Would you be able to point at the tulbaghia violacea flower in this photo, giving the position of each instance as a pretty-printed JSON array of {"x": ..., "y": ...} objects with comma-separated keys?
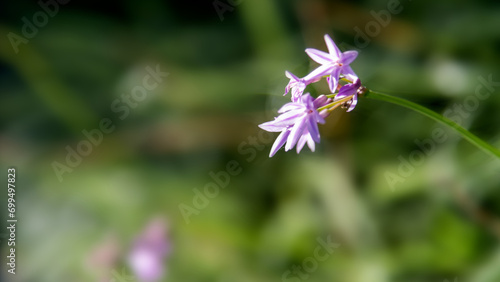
[
  {"x": 298, "y": 120},
  {"x": 147, "y": 257},
  {"x": 298, "y": 124},
  {"x": 333, "y": 63}
]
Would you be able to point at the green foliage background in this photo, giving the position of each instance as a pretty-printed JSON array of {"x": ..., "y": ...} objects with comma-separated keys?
[{"x": 226, "y": 77}]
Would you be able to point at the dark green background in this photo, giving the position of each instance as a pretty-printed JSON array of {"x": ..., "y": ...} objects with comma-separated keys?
[{"x": 225, "y": 77}]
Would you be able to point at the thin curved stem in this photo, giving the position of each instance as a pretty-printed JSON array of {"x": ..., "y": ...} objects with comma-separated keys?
[{"x": 473, "y": 139}]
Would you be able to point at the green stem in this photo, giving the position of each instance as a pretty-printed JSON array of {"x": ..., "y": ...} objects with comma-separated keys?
[
  {"x": 473, "y": 139},
  {"x": 335, "y": 103}
]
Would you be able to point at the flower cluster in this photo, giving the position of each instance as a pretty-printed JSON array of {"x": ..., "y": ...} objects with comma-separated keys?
[{"x": 298, "y": 120}]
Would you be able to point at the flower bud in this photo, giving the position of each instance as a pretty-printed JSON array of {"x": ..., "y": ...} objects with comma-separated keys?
[{"x": 321, "y": 101}]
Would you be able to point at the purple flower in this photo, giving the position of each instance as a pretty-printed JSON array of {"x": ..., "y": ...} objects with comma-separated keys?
[
  {"x": 298, "y": 120},
  {"x": 296, "y": 85},
  {"x": 149, "y": 251},
  {"x": 351, "y": 89},
  {"x": 298, "y": 124},
  {"x": 333, "y": 63}
]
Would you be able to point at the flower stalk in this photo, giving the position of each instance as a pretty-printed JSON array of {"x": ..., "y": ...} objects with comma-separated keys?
[
  {"x": 298, "y": 120},
  {"x": 330, "y": 107},
  {"x": 473, "y": 139}
]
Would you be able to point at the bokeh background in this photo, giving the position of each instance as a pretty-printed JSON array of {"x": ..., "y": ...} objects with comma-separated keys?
[{"x": 226, "y": 75}]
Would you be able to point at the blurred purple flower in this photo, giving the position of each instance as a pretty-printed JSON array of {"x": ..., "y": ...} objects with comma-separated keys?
[
  {"x": 298, "y": 124},
  {"x": 148, "y": 254},
  {"x": 333, "y": 63}
]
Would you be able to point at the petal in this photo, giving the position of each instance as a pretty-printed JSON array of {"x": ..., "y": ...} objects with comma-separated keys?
[
  {"x": 332, "y": 48},
  {"x": 320, "y": 72},
  {"x": 287, "y": 89},
  {"x": 312, "y": 127},
  {"x": 279, "y": 142},
  {"x": 313, "y": 80},
  {"x": 270, "y": 126},
  {"x": 319, "y": 56},
  {"x": 334, "y": 79},
  {"x": 353, "y": 103},
  {"x": 295, "y": 98},
  {"x": 301, "y": 143},
  {"x": 288, "y": 118},
  {"x": 319, "y": 118},
  {"x": 290, "y": 107},
  {"x": 349, "y": 73},
  {"x": 284, "y": 120},
  {"x": 320, "y": 101},
  {"x": 323, "y": 114},
  {"x": 297, "y": 93},
  {"x": 357, "y": 83},
  {"x": 346, "y": 90},
  {"x": 348, "y": 57},
  {"x": 295, "y": 133},
  {"x": 311, "y": 144},
  {"x": 307, "y": 100},
  {"x": 291, "y": 76}
]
